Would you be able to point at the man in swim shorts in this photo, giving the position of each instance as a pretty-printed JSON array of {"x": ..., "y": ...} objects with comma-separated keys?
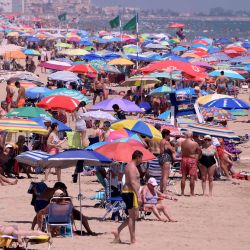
[
  {"x": 20, "y": 101},
  {"x": 131, "y": 196},
  {"x": 191, "y": 152}
]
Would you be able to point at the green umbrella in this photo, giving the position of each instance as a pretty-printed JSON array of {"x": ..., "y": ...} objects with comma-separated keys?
[
  {"x": 101, "y": 66},
  {"x": 69, "y": 92},
  {"x": 28, "y": 112}
]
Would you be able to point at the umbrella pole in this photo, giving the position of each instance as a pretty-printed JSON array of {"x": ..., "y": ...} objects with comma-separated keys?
[{"x": 80, "y": 199}]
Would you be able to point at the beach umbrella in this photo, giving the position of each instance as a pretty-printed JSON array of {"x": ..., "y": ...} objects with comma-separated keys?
[
  {"x": 61, "y": 126},
  {"x": 227, "y": 73},
  {"x": 69, "y": 93},
  {"x": 208, "y": 98},
  {"x": 28, "y": 112},
  {"x": 173, "y": 65},
  {"x": 124, "y": 105},
  {"x": 80, "y": 158},
  {"x": 155, "y": 46},
  {"x": 228, "y": 103},
  {"x": 139, "y": 81},
  {"x": 238, "y": 112},
  {"x": 63, "y": 45},
  {"x": 59, "y": 102},
  {"x": 82, "y": 69},
  {"x": 26, "y": 84},
  {"x": 36, "y": 92},
  {"x": 21, "y": 125},
  {"x": 217, "y": 114},
  {"x": 102, "y": 66},
  {"x": 15, "y": 54},
  {"x": 74, "y": 52},
  {"x": 176, "y": 25},
  {"x": 123, "y": 134},
  {"x": 99, "y": 115},
  {"x": 163, "y": 90},
  {"x": 9, "y": 48},
  {"x": 26, "y": 76},
  {"x": 121, "y": 62},
  {"x": 31, "y": 52},
  {"x": 176, "y": 75},
  {"x": 63, "y": 76},
  {"x": 122, "y": 151},
  {"x": 188, "y": 92},
  {"x": 213, "y": 130},
  {"x": 203, "y": 65},
  {"x": 55, "y": 65},
  {"x": 139, "y": 127},
  {"x": 165, "y": 115},
  {"x": 179, "y": 49},
  {"x": 33, "y": 40}
]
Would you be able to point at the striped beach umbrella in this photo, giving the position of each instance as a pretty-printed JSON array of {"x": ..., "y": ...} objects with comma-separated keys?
[
  {"x": 228, "y": 103},
  {"x": 21, "y": 125}
]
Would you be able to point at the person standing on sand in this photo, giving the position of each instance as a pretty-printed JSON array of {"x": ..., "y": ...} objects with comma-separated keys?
[
  {"x": 131, "y": 197},
  {"x": 191, "y": 152},
  {"x": 9, "y": 95},
  {"x": 20, "y": 101},
  {"x": 221, "y": 84}
]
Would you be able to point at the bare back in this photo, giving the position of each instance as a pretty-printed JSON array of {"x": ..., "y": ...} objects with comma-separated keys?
[
  {"x": 190, "y": 148},
  {"x": 21, "y": 93}
]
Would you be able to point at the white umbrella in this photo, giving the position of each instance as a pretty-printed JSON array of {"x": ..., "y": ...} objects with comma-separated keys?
[{"x": 99, "y": 115}]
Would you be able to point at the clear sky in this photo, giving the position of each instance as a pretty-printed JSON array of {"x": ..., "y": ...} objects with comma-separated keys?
[{"x": 179, "y": 5}]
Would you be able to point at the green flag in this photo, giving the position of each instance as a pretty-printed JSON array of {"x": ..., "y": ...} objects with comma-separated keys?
[
  {"x": 62, "y": 17},
  {"x": 114, "y": 23},
  {"x": 131, "y": 24}
]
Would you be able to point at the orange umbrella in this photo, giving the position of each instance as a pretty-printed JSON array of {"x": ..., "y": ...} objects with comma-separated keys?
[
  {"x": 176, "y": 25},
  {"x": 82, "y": 69},
  {"x": 15, "y": 54},
  {"x": 122, "y": 151}
]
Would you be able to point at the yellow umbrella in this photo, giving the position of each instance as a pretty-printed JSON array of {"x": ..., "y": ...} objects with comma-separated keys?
[
  {"x": 139, "y": 80},
  {"x": 64, "y": 45},
  {"x": 14, "y": 33},
  {"x": 121, "y": 61},
  {"x": 208, "y": 98},
  {"x": 75, "y": 52},
  {"x": 15, "y": 55}
]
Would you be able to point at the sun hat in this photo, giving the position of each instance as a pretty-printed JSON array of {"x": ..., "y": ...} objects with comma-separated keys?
[
  {"x": 207, "y": 137},
  {"x": 58, "y": 193},
  {"x": 152, "y": 181},
  {"x": 46, "y": 119}
]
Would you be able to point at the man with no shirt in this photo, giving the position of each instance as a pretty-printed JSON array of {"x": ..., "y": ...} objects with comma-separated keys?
[
  {"x": 20, "y": 101},
  {"x": 131, "y": 196},
  {"x": 191, "y": 152}
]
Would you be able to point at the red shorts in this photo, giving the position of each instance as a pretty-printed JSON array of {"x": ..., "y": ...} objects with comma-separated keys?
[
  {"x": 189, "y": 166},
  {"x": 9, "y": 99}
]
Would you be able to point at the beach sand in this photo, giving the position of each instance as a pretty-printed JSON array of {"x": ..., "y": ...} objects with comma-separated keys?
[{"x": 220, "y": 222}]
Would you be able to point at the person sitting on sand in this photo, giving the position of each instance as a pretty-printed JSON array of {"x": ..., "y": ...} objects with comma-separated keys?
[
  {"x": 151, "y": 200},
  {"x": 5, "y": 181},
  {"x": 19, "y": 233}
]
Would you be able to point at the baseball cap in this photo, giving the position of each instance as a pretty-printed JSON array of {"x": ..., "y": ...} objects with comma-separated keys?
[
  {"x": 152, "y": 181},
  {"x": 208, "y": 137}
]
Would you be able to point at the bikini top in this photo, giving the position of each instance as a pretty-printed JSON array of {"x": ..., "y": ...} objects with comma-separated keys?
[{"x": 151, "y": 199}]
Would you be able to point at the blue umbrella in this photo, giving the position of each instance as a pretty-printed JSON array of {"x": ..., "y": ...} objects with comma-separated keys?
[
  {"x": 162, "y": 90},
  {"x": 31, "y": 52},
  {"x": 33, "y": 40},
  {"x": 228, "y": 103},
  {"x": 179, "y": 48},
  {"x": 36, "y": 92},
  {"x": 165, "y": 115},
  {"x": 227, "y": 73},
  {"x": 61, "y": 126},
  {"x": 189, "y": 92},
  {"x": 86, "y": 43}
]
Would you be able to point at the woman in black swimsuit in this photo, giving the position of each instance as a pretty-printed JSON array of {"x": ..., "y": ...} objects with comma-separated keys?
[{"x": 208, "y": 163}]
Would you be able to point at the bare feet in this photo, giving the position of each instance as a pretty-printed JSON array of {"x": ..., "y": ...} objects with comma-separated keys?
[
  {"x": 117, "y": 239},
  {"x": 171, "y": 220},
  {"x": 14, "y": 182}
]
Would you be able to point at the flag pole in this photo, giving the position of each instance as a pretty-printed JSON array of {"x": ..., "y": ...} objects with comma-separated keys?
[{"x": 137, "y": 41}]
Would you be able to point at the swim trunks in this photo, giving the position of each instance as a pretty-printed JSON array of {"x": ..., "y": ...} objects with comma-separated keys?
[
  {"x": 9, "y": 99},
  {"x": 189, "y": 166},
  {"x": 21, "y": 103},
  {"x": 130, "y": 199},
  {"x": 163, "y": 158}
]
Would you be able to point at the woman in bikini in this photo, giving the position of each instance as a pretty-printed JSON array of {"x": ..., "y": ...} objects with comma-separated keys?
[
  {"x": 208, "y": 163},
  {"x": 166, "y": 157}
]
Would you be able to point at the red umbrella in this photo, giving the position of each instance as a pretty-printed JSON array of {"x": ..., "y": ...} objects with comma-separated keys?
[
  {"x": 122, "y": 151},
  {"x": 176, "y": 25},
  {"x": 82, "y": 69},
  {"x": 66, "y": 103},
  {"x": 172, "y": 65}
]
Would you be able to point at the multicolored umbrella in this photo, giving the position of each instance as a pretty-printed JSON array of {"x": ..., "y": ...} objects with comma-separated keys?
[
  {"x": 68, "y": 92},
  {"x": 59, "y": 102},
  {"x": 213, "y": 130},
  {"x": 139, "y": 127},
  {"x": 124, "y": 105},
  {"x": 122, "y": 151},
  {"x": 21, "y": 125},
  {"x": 55, "y": 65},
  {"x": 28, "y": 112},
  {"x": 208, "y": 98},
  {"x": 122, "y": 134},
  {"x": 228, "y": 103},
  {"x": 238, "y": 112},
  {"x": 139, "y": 81},
  {"x": 218, "y": 114}
]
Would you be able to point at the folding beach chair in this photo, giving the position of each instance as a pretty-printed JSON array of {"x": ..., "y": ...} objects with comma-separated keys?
[
  {"x": 60, "y": 215},
  {"x": 113, "y": 204}
]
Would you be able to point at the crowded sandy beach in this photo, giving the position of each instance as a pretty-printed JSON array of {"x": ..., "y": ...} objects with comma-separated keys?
[{"x": 119, "y": 139}]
